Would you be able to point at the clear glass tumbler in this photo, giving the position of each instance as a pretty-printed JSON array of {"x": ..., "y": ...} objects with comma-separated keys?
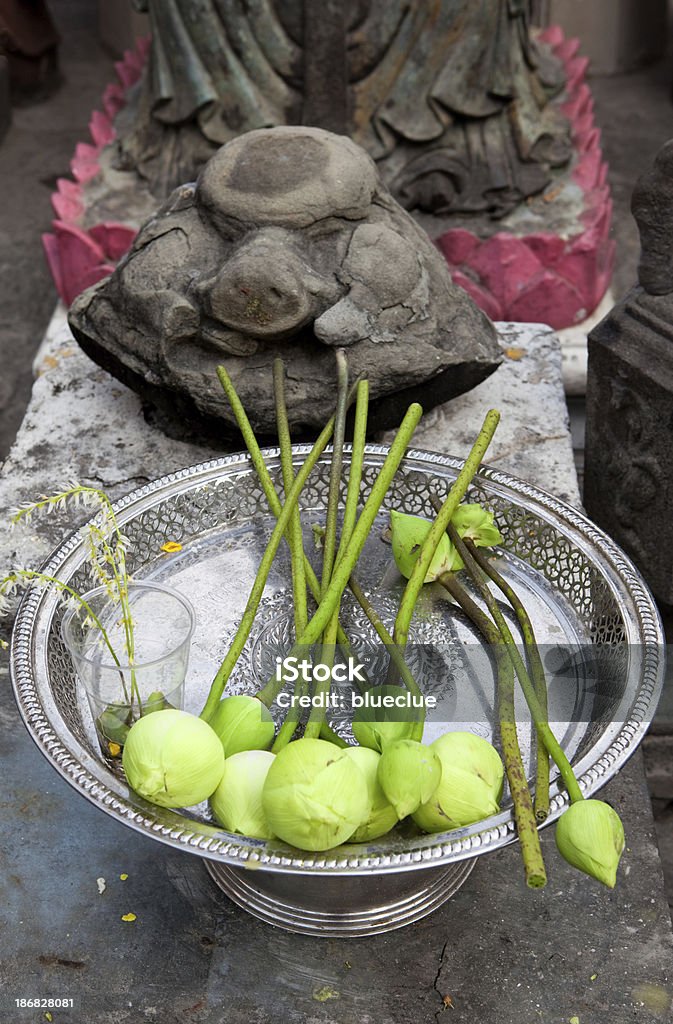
[{"x": 129, "y": 670}]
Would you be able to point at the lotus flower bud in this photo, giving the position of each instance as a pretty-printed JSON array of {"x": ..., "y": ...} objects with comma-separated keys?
[
  {"x": 375, "y": 725},
  {"x": 409, "y": 774},
  {"x": 382, "y": 816},
  {"x": 590, "y": 836},
  {"x": 242, "y": 723},
  {"x": 408, "y": 535},
  {"x": 472, "y": 522},
  {"x": 315, "y": 796},
  {"x": 173, "y": 759},
  {"x": 155, "y": 702},
  {"x": 470, "y": 787},
  {"x": 237, "y": 802}
]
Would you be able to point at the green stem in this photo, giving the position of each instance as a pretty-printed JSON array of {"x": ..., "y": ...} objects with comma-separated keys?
[
  {"x": 454, "y": 498},
  {"x": 364, "y": 524},
  {"x": 245, "y": 625},
  {"x": 328, "y": 733},
  {"x": 536, "y": 672},
  {"x": 531, "y": 852},
  {"x": 295, "y": 537},
  {"x": 395, "y": 653},
  {"x": 316, "y": 716},
  {"x": 329, "y": 546},
  {"x": 268, "y": 487},
  {"x": 355, "y": 471},
  {"x": 539, "y": 718}
]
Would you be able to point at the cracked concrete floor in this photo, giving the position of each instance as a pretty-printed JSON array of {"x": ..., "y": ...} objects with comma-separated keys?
[{"x": 633, "y": 111}]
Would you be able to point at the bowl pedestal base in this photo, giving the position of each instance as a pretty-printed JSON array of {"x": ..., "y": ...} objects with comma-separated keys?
[{"x": 376, "y": 903}]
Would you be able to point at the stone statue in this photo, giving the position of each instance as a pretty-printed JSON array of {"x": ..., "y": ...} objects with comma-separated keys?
[
  {"x": 288, "y": 244},
  {"x": 450, "y": 97},
  {"x": 652, "y": 207}
]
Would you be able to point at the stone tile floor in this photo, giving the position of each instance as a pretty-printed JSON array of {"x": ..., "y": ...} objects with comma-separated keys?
[{"x": 634, "y": 112}]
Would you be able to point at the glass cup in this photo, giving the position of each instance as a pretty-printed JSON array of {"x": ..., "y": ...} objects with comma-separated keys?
[{"x": 129, "y": 671}]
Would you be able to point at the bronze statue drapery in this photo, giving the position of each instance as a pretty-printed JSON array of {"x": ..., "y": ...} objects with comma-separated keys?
[{"x": 450, "y": 97}]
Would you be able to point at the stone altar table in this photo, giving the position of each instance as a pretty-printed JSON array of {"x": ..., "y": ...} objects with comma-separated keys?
[{"x": 496, "y": 952}]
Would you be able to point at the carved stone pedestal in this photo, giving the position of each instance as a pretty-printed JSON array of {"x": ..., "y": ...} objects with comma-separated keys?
[{"x": 629, "y": 440}]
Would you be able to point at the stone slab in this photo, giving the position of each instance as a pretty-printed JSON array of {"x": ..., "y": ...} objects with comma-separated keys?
[{"x": 495, "y": 953}]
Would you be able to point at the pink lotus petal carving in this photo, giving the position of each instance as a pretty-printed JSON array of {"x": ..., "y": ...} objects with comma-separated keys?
[
  {"x": 84, "y": 164},
  {"x": 67, "y": 201},
  {"x": 114, "y": 239},
  {"x": 114, "y": 99},
  {"x": 101, "y": 128},
  {"x": 75, "y": 260},
  {"x": 78, "y": 258}
]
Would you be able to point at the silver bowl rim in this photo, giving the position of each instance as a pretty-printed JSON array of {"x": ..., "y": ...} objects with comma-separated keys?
[{"x": 178, "y": 831}]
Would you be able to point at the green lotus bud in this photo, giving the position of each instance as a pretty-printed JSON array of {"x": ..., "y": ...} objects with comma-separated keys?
[
  {"x": 472, "y": 522},
  {"x": 173, "y": 759},
  {"x": 237, "y": 802},
  {"x": 590, "y": 836},
  {"x": 409, "y": 774},
  {"x": 382, "y": 816},
  {"x": 155, "y": 702},
  {"x": 470, "y": 787},
  {"x": 242, "y": 723},
  {"x": 381, "y": 720},
  {"x": 315, "y": 796},
  {"x": 408, "y": 535}
]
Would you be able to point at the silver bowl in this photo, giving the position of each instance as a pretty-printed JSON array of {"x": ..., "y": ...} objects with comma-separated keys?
[{"x": 586, "y": 599}]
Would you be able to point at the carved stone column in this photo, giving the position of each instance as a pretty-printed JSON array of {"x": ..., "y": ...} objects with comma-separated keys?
[{"x": 629, "y": 441}]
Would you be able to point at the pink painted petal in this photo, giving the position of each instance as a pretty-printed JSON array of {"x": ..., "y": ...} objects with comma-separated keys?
[
  {"x": 567, "y": 49},
  {"x": 114, "y": 239},
  {"x": 101, "y": 129},
  {"x": 483, "y": 298},
  {"x": 552, "y": 35},
  {"x": 67, "y": 200},
  {"x": 576, "y": 72},
  {"x": 84, "y": 164},
  {"x": 457, "y": 245},
  {"x": 78, "y": 255},
  {"x": 548, "y": 299},
  {"x": 113, "y": 99},
  {"x": 89, "y": 276},
  {"x": 128, "y": 71},
  {"x": 546, "y": 247},
  {"x": 504, "y": 264},
  {"x": 579, "y": 104},
  {"x": 587, "y": 174}
]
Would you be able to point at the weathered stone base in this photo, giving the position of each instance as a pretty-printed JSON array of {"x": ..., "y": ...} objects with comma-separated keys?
[{"x": 629, "y": 439}]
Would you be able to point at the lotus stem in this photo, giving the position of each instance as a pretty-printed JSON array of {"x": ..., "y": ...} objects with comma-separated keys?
[
  {"x": 395, "y": 653},
  {"x": 454, "y": 498},
  {"x": 536, "y": 672},
  {"x": 259, "y": 583},
  {"x": 351, "y": 554},
  {"x": 317, "y": 714},
  {"x": 295, "y": 538},
  {"x": 531, "y": 852},
  {"x": 268, "y": 487},
  {"x": 539, "y": 718},
  {"x": 355, "y": 471}
]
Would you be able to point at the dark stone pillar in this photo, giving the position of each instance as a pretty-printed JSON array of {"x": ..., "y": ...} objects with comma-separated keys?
[{"x": 629, "y": 441}]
